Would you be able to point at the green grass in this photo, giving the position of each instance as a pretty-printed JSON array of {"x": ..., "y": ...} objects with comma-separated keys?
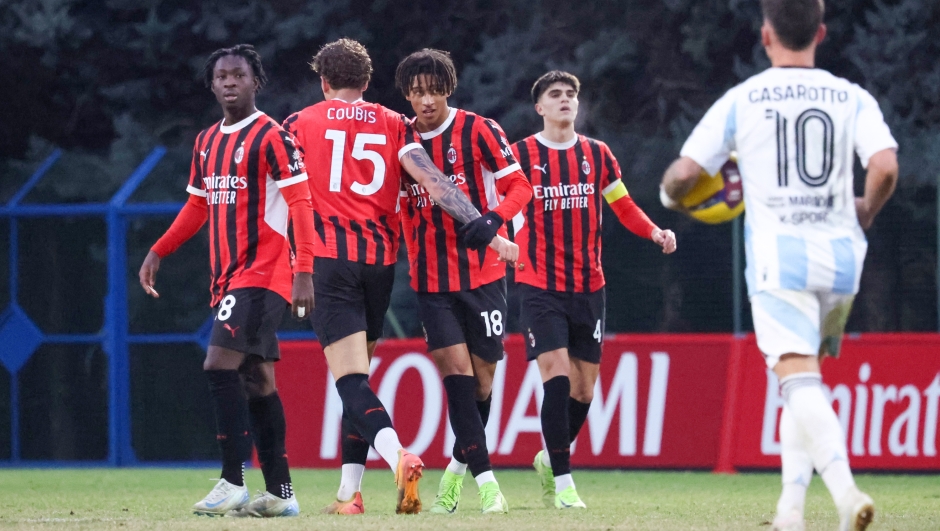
[{"x": 134, "y": 499}]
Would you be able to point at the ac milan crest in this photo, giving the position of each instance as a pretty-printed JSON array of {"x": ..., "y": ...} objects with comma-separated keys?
[{"x": 451, "y": 155}]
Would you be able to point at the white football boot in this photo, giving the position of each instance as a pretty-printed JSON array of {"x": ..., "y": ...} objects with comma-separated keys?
[
  {"x": 267, "y": 505},
  {"x": 856, "y": 511},
  {"x": 791, "y": 520},
  {"x": 224, "y": 497}
]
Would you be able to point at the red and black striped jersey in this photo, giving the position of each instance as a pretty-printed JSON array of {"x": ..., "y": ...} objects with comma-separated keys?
[
  {"x": 240, "y": 170},
  {"x": 355, "y": 183},
  {"x": 474, "y": 153},
  {"x": 560, "y": 240}
]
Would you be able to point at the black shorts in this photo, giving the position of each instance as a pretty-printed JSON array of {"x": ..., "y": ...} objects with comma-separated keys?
[
  {"x": 476, "y": 317},
  {"x": 349, "y": 297},
  {"x": 559, "y": 319},
  {"x": 246, "y": 321}
]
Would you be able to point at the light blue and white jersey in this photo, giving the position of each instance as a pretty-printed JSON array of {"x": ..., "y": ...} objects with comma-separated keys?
[{"x": 796, "y": 132}]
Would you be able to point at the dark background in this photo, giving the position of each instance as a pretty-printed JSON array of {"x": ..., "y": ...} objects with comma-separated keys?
[{"x": 108, "y": 80}]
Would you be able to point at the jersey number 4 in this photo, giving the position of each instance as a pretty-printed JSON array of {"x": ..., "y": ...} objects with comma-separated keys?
[
  {"x": 815, "y": 135},
  {"x": 359, "y": 152}
]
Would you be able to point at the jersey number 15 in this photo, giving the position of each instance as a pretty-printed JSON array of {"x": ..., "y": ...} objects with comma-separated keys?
[{"x": 359, "y": 152}]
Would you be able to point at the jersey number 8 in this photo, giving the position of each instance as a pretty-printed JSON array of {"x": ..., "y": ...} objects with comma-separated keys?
[{"x": 359, "y": 152}]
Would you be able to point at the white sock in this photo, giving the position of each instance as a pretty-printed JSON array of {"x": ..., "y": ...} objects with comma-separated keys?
[
  {"x": 388, "y": 445},
  {"x": 457, "y": 467},
  {"x": 546, "y": 460},
  {"x": 351, "y": 482},
  {"x": 813, "y": 413},
  {"x": 796, "y": 465},
  {"x": 562, "y": 482},
  {"x": 485, "y": 477}
]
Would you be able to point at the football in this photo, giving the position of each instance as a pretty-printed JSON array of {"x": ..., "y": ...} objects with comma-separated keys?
[{"x": 716, "y": 198}]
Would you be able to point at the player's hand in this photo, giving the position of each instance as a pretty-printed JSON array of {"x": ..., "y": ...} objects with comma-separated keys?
[
  {"x": 479, "y": 233},
  {"x": 507, "y": 250},
  {"x": 301, "y": 305},
  {"x": 148, "y": 273},
  {"x": 665, "y": 239}
]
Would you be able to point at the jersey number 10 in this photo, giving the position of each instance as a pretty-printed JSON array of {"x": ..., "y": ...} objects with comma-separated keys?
[
  {"x": 808, "y": 140},
  {"x": 359, "y": 152}
]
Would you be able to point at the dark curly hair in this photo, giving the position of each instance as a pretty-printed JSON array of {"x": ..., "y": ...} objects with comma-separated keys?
[
  {"x": 795, "y": 21},
  {"x": 241, "y": 50},
  {"x": 344, "y": 63},
  {"x": 436, "y": 64},
  {"x": 549, "y": 78}
]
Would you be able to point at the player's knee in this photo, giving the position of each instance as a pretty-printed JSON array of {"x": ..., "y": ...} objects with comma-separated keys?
[
  {"x": 484, "y": 390},
  {"x": 582, "y": 394}
]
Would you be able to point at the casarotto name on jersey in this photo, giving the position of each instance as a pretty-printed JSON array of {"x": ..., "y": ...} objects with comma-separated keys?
[
  {"x": 351, "y": 113},
  {"x": 798, "y": 92}
]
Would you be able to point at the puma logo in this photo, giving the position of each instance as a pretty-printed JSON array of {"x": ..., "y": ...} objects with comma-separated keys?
[
  {"x": 543, "y": 168},
  {"x": 204, "y": 154},
  {"x": 374, "y": 409},
  {"x": 230, "y": 329}
]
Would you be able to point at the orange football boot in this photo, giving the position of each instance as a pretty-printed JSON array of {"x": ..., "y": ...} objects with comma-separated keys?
[
  {"x": 350, "y": 506},
  {"x": 410, "y": 469}
]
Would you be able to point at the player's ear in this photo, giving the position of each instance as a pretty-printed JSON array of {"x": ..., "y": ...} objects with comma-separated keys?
[
  {"x": 538, "y": 109},
  {"x": 365, "y": 87},
  {"x": 820, "y": 34},
  {"x": 765, "y": 34},
  {"x": 324, "y": 85}
]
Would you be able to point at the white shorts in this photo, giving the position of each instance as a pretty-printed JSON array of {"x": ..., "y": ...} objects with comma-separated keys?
[{"x": 799, "y": 322}]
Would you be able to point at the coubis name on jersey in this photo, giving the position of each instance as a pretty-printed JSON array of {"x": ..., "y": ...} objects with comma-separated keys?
[
  {"x": 351, "y": 113},
  {"x": 798, "y": 92},
  {"x": 564, "y": 196}
]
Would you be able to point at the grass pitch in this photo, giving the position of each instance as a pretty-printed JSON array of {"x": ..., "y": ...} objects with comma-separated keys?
[{"x": 133, "y": 499}]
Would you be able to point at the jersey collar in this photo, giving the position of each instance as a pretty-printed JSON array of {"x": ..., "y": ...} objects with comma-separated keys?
[
  {"x": 561, "y": 146},
  {"x": 441, "y": 128},
  {"x": 229, "y": 129}
]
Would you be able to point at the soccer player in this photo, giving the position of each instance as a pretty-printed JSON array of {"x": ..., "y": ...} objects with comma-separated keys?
[
  {"x": 247, "y": 178},
  {"x": 363, "y": 148},
  {"x": 561, "y": 283},
  {"x": 461, "y": 293},
  {"x": 795, "y": 129}
]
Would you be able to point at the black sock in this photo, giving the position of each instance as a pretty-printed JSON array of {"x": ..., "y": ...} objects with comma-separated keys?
[
  {"x": 555, "y": 426},
  {"x": 483, "y": 406},
  {"x": 270, "y": 431},
  {"x": 466, "y": 422},
  {"x": 365, "y": 410},
  {"x": 231, "y": 413},
  {"x": 355, "y": 447},
  {"x": 577, "y": 414}
]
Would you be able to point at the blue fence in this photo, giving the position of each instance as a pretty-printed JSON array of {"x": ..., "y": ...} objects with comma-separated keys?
[{"x": 20, "y": 337}]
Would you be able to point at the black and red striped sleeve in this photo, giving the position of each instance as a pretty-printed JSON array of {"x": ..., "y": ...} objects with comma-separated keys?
[{"x": 405, "y": 135}]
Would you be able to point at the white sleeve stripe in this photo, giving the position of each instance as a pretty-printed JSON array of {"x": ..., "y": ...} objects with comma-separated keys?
[
  {"x": 293, "y": 180},
  {"x": 507, "y": 170},
  {"x": 610, "y": 187},
  {"x": 407, "y": 148},
  {"x": 195, "y": 191},
  {"x": 402, "y": 194}
]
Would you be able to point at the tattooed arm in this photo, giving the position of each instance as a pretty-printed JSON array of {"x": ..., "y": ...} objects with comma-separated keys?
[
  {"x": 456, "y": 203},
  {"x": 422, "y": 169}
]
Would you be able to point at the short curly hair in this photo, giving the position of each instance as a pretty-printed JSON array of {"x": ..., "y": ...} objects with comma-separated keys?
[
  {"x": 343, "y": 63},
  {"x": 246, "y": 51},
  {"x": 436, "y": 64}
]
